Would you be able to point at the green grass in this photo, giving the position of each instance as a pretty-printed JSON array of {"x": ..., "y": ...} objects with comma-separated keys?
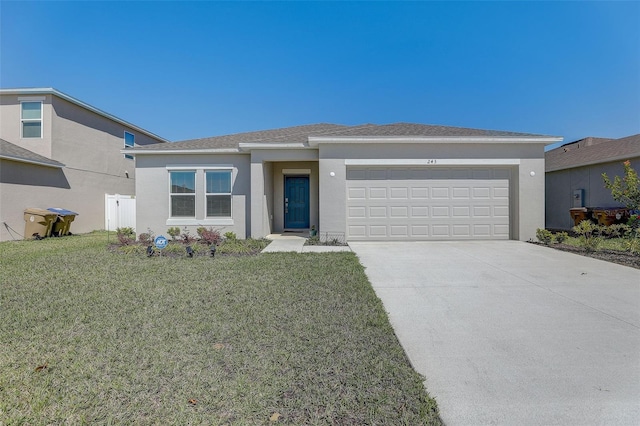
[
  {"x": 130, "y": 340},
  {"x": 614, "y": 244}
]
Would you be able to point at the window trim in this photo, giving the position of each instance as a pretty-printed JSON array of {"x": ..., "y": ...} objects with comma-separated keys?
[
  {"x": 126, "y": 146},
  {"x": 194, "y": 194},
  {"x": 230, "y": 193},
  {"x": 31, "y": 120}
]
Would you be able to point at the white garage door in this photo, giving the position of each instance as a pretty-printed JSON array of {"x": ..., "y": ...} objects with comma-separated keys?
[{"x": 400, "y": 203}]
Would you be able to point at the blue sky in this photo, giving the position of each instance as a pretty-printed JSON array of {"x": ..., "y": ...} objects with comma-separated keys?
[{"x": 195, "y": 69}]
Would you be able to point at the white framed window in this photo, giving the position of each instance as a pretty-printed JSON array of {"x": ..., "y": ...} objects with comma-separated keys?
[
  {"x": 31, "y": 119},
  {"x": 129, "y": 142},
  {"x": 183, "y": 193},
  {"x": 218, "y": 193}
]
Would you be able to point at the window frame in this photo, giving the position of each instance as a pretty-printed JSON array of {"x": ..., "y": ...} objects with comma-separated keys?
[
  {"x": 183, "y": 194},
  {"x": 207, "y": 194},
  {"x": 31, "y": 120},
  {"x": 127, "y": 146}
]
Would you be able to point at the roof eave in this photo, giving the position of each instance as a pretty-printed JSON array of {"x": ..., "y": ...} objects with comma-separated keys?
[
  {"x": 36, "y": 162},
  {"x": 591, "y": 163},
  {"x": 253, "y": 145},
  {"x": 130, "y": 151}
]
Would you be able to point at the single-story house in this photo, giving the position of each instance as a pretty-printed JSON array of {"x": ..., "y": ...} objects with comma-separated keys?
[
  {"x": 368, "y": 182},
  {"x": 574, "y": 175},
  {"x": 57, "y": 151}
]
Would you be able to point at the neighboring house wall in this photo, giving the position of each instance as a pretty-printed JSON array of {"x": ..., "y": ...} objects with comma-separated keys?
[
  {"x": 561, "y": 184},
  {"x": 87, "y": 143}
]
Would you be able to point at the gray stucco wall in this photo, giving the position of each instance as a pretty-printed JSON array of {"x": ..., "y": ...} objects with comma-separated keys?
[
  {"x": 561, "y": 184},
  {"x": 153, "y": 198},
  {"x": 87, "y": 143},
  {"x": 10, "y": 124},
  {"x": 527, "y": 176}
]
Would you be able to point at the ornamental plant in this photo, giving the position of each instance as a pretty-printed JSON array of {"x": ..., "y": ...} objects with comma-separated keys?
[{"x": 625, "y": 189}]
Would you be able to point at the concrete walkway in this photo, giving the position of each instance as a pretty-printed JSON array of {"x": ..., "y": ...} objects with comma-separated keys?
[
  {"x": 288, "y": 242},
  {"x": 510, "y": 333}
]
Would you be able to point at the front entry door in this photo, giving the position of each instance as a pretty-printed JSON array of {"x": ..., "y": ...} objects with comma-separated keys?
[{"x": 296, "y": 202}]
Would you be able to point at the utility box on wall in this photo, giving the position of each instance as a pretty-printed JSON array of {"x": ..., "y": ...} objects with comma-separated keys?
[{"x": 578, "y": 198}]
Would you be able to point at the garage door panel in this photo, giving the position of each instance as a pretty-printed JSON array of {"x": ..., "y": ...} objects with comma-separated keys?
[
  {"x": 399, "y": 193},
  {"x": 378, "y": 193},
  {"x": 399, "y": 211},
  {"x": 438, "y": 207},
  {"x": 420, "y": 193},
  {"x": 419, "y": 211}
]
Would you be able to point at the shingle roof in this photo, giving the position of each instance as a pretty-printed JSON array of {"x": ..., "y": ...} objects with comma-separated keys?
[
  {"x": 301, "y": 134},
  {"x": 13, "y": 152},
  {"x": 592, "y": 151},
  {"x": 413, "y": 129}
]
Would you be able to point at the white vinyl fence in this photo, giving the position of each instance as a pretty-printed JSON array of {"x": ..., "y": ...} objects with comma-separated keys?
[{"x": 120, "y": 212}]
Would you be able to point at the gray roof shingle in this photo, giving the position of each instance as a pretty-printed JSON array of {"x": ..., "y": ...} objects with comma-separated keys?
[
  {"x": 301, "y": 134},
  {"x": 592, "y": 151},
  {"x": 14, "y": 152}
]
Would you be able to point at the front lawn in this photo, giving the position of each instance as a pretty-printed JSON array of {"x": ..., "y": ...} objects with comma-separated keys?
[{"x": 90, "y": 336}]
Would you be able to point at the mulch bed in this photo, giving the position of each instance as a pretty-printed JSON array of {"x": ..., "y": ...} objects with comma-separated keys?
[{"x": 619, "y": 257}]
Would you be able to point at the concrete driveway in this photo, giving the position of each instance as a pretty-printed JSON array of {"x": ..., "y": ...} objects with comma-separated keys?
[{"x": 511, "y": 333}]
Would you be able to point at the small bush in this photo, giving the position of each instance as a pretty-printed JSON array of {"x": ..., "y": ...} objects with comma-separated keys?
[
  {"x": 588, "y": 235},
  {"x": 126, "y": 236},
  {"x": 544, "y": 236},
  {"x": 173, "y": 232},
  {"x": 632, "y": 244},
  {"x": 186, "y": 237},
  {"x": 313, "y": 241},
  {"x": 634, "y": 221},
  {"x": 561, "y": 237},
  {"x": 209, "y": 236},
  {"x": 618, "y": 230},
  {"x": 230, "y": 235},
  {"x": 146, "y": 238}
]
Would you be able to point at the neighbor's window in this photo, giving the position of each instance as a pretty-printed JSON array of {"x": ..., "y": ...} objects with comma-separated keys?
[
  {"x": 183, "y": 194},
  {"x": 129, "y": 142},
  {"x": 31, "y": 118},
  {"x": 218, "y": 193}
]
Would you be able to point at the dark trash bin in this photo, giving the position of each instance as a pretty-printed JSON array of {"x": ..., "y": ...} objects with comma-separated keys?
[
  {"x": 62, "y": 224},
  {"x": 607, "y": 216},
  {"x": 38, "y": 223},
  {"x": 578, "y": 214}
]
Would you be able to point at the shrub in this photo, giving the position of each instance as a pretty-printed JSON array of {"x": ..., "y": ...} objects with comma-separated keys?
[
  {"x": 625, "y": 190},
  {"x": 230, "y": 235},
  {"x": 617, "y": 230},
  {"x": 173, "y": 232},
  {"x": 146, "y": 238},
  {"x": 544, "y": 236},
  {"x": 588, "y": 235},
  {"x": 634, "y": 221},
  {"x": 210, "y": 236},
  {"x": 561, "y": 237},
  {"x": 632, "y": 244},
  {"x": 125, "y": 236},
  {"x": 186, "y": 237}
]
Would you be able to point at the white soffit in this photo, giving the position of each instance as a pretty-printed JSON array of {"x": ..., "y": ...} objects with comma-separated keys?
[{"x": 434, "y": 162}]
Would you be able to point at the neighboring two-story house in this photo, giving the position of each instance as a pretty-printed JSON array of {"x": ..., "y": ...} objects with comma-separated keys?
[{"x": 57, "y": 151}]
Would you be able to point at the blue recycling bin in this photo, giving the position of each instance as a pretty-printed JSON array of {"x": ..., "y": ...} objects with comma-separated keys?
[{"x": 63, "y": 222}]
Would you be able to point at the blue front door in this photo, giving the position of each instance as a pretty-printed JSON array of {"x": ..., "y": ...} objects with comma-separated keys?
[{"x": 296, "y": 202}]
